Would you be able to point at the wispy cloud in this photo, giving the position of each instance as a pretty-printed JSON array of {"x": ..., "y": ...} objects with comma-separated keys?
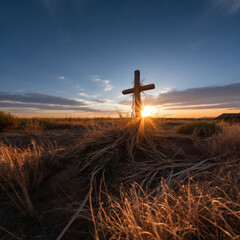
[
  {"x": 43, "y": 102},
  {"x": 93, "y": 98},
  {"x": 229, "y": 6},
  {"x": 88, "y": 95},
  {"x": 39, "y": 98},
  {"x": 54, "y": 5},
  {"x": 30, "y": 106},
  {"x": 197, "y": 44},
  {"x": 104, "y": 83},
  {"x": 79, "y": 87},
  {"x": 61, "y": 77},
  {"x": 165, "y": 90},
  {"x": 101, "y": 100},
  {"x": 92, "y": 102},
  {"x": 211, "y": 97},
  {"x": 108, "y": 87}
]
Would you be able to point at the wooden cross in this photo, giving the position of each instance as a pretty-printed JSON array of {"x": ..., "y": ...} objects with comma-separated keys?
[{"x": 136, "y": 90}]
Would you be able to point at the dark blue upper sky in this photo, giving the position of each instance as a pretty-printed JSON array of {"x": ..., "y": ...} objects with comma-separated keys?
[{"x": 88, "y": 49}]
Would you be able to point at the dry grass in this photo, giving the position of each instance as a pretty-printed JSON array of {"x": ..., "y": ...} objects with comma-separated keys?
[
  {"x": 153, "y": 188},
  {"x": 195, "y": 210},
  {"x": 22, "y": 171},
  {"x": 8, "y": 121},
  {"x": 199, "y": 128},
  {"x": 225, "y": 142},
  {"x": 34, "y": 127},
  {"x": 198, "y": 199}
]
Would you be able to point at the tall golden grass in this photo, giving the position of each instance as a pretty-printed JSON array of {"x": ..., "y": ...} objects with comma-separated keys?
[
  {"x": 195, "y": 210},
  {"x": 200, "y": 202},
  {"x": 127, "y": 184},
  {"x": 22, "y": 171}
]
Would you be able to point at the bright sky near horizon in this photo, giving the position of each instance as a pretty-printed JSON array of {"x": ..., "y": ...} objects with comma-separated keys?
[{"x": 74, "y": 57}]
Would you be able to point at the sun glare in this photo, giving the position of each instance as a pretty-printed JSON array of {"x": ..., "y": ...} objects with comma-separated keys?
[{"x": 147, "y": 111}]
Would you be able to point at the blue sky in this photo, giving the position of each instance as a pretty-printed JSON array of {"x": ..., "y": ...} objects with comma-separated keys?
[{"x": 74, "y": 57}]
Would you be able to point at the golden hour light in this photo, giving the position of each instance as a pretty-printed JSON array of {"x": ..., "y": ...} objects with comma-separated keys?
[
  {"x": 120, "y": 119},
  {"x": 147, "y": 111}
]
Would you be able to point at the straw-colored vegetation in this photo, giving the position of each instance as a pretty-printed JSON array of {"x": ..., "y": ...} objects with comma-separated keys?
[
  {"x": 199, "y": 128},
  {"x": 8, "y": 121},
  {"x": 122, "y": 179}
]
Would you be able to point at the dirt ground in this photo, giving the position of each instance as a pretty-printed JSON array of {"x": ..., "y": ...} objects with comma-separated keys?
[{"x": 61, "y": 138}]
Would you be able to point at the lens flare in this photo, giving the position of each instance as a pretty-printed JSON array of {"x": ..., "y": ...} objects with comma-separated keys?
[{"x": 147, "y": 111}]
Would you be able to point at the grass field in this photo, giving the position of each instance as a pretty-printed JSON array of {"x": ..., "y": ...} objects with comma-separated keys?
[{"x": 119, "y": 179}]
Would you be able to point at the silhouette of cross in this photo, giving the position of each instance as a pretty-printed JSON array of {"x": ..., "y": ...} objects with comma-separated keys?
[{"x": 136, "y": 90}]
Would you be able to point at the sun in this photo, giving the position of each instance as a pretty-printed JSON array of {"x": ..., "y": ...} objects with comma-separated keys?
[{"x": 147, "y": 111}]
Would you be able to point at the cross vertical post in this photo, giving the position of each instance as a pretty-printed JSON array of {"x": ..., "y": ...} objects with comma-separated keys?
[
  {"x": 137, "y": 94},
  {"x": 136, "y": 90}
]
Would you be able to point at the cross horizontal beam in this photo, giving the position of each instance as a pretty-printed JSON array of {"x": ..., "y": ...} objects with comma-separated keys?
[
  {"x": 142, "y": 88},
  {"x": 147, "y": 87},
  {"x": 128, "y": 91}
]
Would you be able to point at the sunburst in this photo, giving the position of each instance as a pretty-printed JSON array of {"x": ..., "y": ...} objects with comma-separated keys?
[{"x": 147, "y": 111}]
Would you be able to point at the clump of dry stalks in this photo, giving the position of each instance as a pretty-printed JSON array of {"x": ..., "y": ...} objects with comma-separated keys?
[
  {"x": 194, "y": 210},
  {"x": 227, "y": 141},
  {"x": 144, "y": 186},
  {"x": 198, "y": 198},
  {"x": 22, "y": 171}
]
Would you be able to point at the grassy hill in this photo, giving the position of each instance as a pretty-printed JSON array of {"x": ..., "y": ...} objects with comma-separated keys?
[{"x": 120, "y": 179}]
